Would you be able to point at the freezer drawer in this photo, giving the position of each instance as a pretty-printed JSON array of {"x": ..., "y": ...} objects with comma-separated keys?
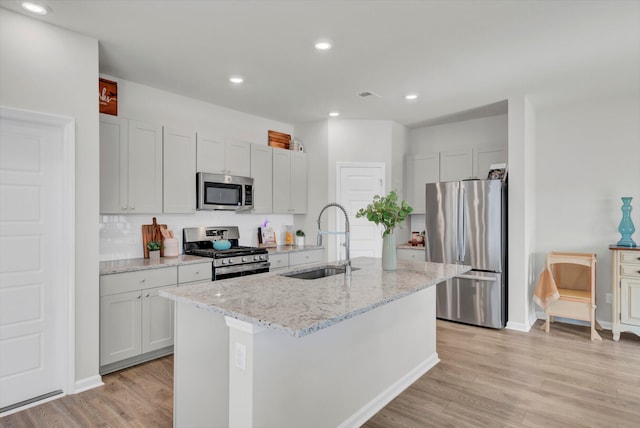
[{"x": 476, "y": 298}]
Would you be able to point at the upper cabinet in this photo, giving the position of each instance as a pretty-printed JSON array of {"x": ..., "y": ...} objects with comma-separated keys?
[
  {"x": 179, "y": 171},
  {"x": 451, "y": 165},
  {"x": 456, "y": 165},
  {"x": 262, "y": 174},
  {"x": 217, "y": 157},
  {"x": 421, "y": 169},
  {"x": 130, "y": 166},
  {"x": 289, "y": 182}
]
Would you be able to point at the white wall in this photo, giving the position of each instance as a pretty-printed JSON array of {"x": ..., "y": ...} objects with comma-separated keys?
[
  {"x": 48, "y": 69},
  {"x": 588, "y": 156},
  {"x": 121, "y": 236}
]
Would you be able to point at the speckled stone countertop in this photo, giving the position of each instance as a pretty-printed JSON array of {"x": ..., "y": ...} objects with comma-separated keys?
[
  {"x": 299, "y": 307},
  {"x": 131, "y": 265}
]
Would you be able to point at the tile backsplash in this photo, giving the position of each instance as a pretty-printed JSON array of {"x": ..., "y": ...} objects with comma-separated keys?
[{"x": 121, "y": 235}]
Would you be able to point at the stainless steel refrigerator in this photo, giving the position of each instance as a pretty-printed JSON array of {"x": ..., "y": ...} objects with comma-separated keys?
[{"x": 466, "y": 223}]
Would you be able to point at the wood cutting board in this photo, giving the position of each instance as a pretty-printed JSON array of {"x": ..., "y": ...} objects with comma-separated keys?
[{"x": 152, "y": 232}]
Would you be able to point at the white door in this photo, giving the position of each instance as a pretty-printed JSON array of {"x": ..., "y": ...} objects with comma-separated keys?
[
  {"x": 357, "y": 185},
  {"x": 33, "y": 291}
]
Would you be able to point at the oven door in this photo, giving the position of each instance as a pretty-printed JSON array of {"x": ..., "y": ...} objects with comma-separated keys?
[{"x": 240, "y": 270}]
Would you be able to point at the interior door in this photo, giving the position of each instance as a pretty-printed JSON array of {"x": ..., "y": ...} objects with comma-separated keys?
[
  {"x": 358, "y": 184},
  {"x": 32, "y": 289}
]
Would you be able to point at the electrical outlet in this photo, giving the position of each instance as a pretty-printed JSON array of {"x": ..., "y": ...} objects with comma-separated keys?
[
  {"x": 241, "y": 356},
  {"x": 608, "y": 298}
]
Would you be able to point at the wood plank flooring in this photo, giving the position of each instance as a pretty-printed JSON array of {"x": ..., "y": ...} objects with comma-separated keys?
[{"x": 486, "y": 378}]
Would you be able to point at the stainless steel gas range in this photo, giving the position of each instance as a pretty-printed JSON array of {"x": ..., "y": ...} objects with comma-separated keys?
[{"x": 231, "y": 263}]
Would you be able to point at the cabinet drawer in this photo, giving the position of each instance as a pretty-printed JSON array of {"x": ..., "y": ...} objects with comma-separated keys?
[
  {"x": 409, "y": 254},
  {"x": 630, "y": 270},
  {"x": 302, "y": 257},
  {"x": 278, "y": 261},
  {"x": 131, "y": 281},
  {"x": 194, "y": 272},
  {"x": 632, "y": 257}
]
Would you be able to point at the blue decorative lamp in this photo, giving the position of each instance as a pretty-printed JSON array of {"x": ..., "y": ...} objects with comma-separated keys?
[{"x": 626, "y": 227}]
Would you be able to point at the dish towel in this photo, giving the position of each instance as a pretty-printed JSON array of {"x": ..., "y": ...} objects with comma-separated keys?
[{"x": 546, "y": 291}]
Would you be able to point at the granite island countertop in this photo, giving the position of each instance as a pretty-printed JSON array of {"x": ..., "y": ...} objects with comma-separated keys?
[
  {"x": 132, "y": 265},
  {"x": 299, "y": 307}
]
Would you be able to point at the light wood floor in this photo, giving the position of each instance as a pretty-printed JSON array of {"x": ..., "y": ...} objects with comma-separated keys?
[{"x": 486, "y": 378}]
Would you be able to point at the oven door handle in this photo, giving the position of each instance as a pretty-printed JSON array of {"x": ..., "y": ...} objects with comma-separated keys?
[{"x": 241, "y": 268}]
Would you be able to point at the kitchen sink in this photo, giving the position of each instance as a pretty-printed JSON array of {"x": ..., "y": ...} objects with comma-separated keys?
[{"x": 317, "y": 272}]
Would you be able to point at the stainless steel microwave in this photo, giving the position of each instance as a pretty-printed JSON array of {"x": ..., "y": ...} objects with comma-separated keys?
[{"x": 224, "y": 192}]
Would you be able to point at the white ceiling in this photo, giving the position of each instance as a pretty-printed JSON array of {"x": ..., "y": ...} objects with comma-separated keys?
[{"x": 457, "y": 55}]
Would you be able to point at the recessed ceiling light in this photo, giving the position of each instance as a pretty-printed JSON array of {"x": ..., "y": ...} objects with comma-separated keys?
[
  {"x": 34, "y": 8},
  {"x": 323, "y": 45},
  {"x": 411, "y": 96},
  {"x": 334, "y": 114},
  {"x": 236, "y": 79}
]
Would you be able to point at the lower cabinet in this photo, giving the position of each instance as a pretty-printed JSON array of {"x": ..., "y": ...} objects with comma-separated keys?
[
  {"x": 281, "y": 261},
  {"x": 136, "y": 324},
  {"x": 416, "y": 255}
]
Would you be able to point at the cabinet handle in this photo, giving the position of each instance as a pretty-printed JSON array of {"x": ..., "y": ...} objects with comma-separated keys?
[
  {"x": 143, "y": 280},
  {"x": 198, "y": 272},
  {"x": 132, "y": 208},
  {"x": 124, "y": 208},
  {"x": 138, "y": 296},
  {"x": 147, "y": 295}
]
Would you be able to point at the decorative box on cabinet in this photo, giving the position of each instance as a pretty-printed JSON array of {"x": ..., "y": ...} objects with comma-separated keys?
[
  {"x": 136, "y": 324},
  {"x": 625, "y": 285}
]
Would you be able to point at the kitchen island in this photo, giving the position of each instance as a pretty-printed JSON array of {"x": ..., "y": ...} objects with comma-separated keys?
[{"x": 273, "y": 351}]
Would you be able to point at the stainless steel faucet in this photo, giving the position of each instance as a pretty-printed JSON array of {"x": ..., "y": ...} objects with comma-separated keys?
[{"x": 346, "y": 234}]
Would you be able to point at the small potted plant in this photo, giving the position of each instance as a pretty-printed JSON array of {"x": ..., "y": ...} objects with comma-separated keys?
[
  {"x": 299, "y": 238},
  {"x": 154, "y": 251},
  {"x": 389, "y": 212}
]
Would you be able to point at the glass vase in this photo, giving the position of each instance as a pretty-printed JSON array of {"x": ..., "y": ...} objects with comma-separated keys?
[
  {"x": 389, "y": 257},
  {"x": 626, "y": 227}
]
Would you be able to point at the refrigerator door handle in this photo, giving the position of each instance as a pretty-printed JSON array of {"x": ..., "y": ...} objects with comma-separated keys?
[
  {"x": 477, "y": 278},
  {"x": 461, "y": 242}
]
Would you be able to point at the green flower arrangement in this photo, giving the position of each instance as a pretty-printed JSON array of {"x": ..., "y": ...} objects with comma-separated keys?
[{"x": 385, "y": 210}]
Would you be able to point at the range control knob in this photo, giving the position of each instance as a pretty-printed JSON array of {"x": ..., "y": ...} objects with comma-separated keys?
[
  {"x": 230, "y": 261},
  {"x": 256, "y": 257},
  {"x": 224, "y": 261},
  {"x": 263, "y": 257},
  {"x": 244, "y": 259}
]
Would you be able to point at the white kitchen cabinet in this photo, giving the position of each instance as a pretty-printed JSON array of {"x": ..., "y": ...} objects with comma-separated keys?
[
  {"x": 157, "y": 320},
  {"x": 278, "y": 261},
  {"x": 194, "y": 272},
  {"x": 625, "y": 291},
  {"x": 262, "y": 174},
  {"x": 135, "y": 321},
  {"x": 421, "y": 169},
  {"x": 284, "y": 260},
  {"x": 289, "y": 182},
  {"x": 218, "y": 157},
  {"x": 130, "y": 166},
  {"x": 484, "y": 157},
  {"x": 179, "y": 176},
  {"x": 456, "y": 165},
  {"x": 411, "y": 254}
]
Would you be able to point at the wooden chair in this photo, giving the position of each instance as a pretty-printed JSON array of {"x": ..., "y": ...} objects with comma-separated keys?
[{"x": 575, "y": 277}]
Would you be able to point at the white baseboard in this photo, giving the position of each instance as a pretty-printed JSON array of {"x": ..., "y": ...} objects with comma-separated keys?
[
  {"x": 518, "y": 326},
  {"x": 87, "y": 383},
  {"x": 374, "y": 406}
]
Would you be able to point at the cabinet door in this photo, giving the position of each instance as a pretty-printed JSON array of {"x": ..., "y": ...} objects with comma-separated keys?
[
  {"x": 179, "y": 176},
  {"x": 113, "y": 165},
  {"x": 630, "y": 301},
  {"x": 145, "y": 168},
  {"x": 304, "y": 257},
  {"x": 298, "y": 182},
  {"x": 456, "y": 165},
  {"x": 157, "y": 320},
  {"x": 281, "y": 181},
  {"x": 425, "y": 168},
  {"x": 120, "y": 326},
  {"x": 211, "y": 155},
  {"x": 262, "y": 174},
  {"x": 484, "y": 157},
  {"x": 411, "y": 254},
  {"x": 238, "y": 159}
]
